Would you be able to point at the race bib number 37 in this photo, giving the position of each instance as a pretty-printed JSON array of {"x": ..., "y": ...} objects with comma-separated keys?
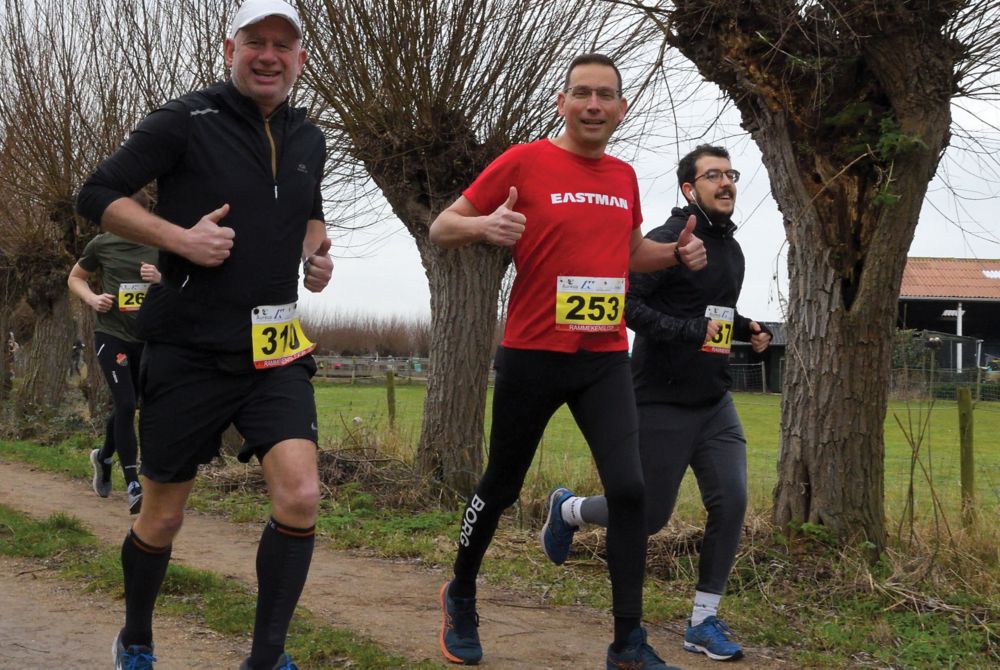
[
  {"x": 723, "y": 340},
  {"x": 277, "y": 336},
  {"x": 594, "y": 304},
  {"x": 130, "y": 296}
]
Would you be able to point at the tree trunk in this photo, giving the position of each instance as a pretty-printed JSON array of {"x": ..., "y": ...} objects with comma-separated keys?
[
  {"x": 843, "y": 291},
  {"x": 464, "y": 284},
  {"x": 6, "y": 356},
  {"x": 232, "y": 441},
  {"x": 47, "y": 366},
  {"x": 851, "y": 125}
]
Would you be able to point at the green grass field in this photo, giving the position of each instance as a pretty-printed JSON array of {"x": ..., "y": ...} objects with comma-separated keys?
[{"x": 563, "y": 456}]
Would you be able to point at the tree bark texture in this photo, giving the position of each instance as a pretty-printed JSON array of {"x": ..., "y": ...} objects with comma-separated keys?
[
  {"x": 850, "y": 106},
  {"x": 48, "y": 361},
  {"x": 6, "y": 356},
  {"x": 419, "y": 178},
  {"x": 464, "y": 284}
]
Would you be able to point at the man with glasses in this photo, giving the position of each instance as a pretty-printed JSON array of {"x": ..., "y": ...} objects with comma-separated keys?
[
  {"x": 685, "y": 323},
  {"x": 570, "y": 214}
]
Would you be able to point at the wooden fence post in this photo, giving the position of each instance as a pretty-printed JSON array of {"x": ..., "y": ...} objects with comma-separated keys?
[
  {"x": 390, "y": 395},
  {"x": 965, "y": 432}
]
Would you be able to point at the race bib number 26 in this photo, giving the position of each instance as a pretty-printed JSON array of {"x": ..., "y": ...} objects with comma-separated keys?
[
  {"x": 130, "y": 296},
  {"x": 594, "y": 304},
  {"x": 277, "y": 336}
]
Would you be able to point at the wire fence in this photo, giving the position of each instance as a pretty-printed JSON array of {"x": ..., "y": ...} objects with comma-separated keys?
[
  {"x": 904, "y": 384},
  {"x": 943, "y": 383}
]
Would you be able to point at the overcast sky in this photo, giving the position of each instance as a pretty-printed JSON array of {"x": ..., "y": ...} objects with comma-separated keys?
[{"x": 378, "y": 272}]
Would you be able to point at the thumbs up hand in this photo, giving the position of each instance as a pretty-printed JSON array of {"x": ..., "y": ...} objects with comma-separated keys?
[
  {"x": 318, "y": 268},
  {"x": 690, "y": 250},
  {"x": 504, "y": 226},
  {"x": 207, "y": 243}
]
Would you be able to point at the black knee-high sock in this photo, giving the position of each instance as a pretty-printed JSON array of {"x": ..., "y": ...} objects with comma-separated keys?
[
  {"x": 144, "y": 567},
  {"x": 283, "y": 559}
]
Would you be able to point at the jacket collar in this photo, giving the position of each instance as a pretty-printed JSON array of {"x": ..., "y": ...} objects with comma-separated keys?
[
  {"x": 246, "y": 106},
  {"x": 715, "y": 227}
]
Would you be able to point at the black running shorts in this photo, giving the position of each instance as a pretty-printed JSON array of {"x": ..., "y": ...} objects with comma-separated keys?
[{"x": 190, "y": 398}]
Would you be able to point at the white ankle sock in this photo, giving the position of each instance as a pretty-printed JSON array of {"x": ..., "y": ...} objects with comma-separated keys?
[
  {"x": 570, "y": 510},
  {"x": 705, "y": 605}
]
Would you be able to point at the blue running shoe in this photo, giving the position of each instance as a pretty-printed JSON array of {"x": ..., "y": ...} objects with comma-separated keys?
[
  {"x": 637, "y": 655},
  {"x": 136, "y": 657},
  {"x": 284, "y": 662},
  {"x": 459, "y": 638},
  {"x": 711, "y": 637},
  {"x": 557, "y": 535}
]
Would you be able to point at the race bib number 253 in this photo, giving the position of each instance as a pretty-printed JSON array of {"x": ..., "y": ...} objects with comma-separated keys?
[{"x": 593, "y": 304}]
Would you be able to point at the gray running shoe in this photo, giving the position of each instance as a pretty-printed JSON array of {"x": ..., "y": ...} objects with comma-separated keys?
[
  {"x": 136, "y": 657},
  {"x": 134, "y": 497},
  {"x": 102, "y": 475}
]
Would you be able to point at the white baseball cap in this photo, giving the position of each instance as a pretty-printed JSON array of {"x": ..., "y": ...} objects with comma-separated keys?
[{"x": 252, "y": 11}]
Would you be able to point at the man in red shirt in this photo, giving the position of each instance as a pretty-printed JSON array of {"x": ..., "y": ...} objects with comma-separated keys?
[{"x": 571, "y": 214}]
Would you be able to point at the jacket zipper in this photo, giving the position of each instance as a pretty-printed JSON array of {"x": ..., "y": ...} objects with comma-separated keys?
[{"x": 274, "y": 155}]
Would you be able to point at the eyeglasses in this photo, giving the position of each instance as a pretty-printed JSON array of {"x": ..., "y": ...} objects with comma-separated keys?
[
  {"x": 715, "y": 176},
  {"x": 585, "y": 92}
]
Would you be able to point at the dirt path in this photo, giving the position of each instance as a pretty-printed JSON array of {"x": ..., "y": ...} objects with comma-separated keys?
[
  {"x": 46, "y": 623},
  {"x": 393, "y": 604}
]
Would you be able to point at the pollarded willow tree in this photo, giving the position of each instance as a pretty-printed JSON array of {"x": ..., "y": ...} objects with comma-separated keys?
[
  {"x": 849, "y": 102},
  {"x": 424, "y": 94},
  {"x": 81, "y": 74},
  {"x": 43, "y": 42}
]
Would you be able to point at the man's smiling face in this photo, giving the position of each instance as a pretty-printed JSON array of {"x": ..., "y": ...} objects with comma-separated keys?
[
  {"x": 265, "y": 60},
  {"x": 591, "y": 119},
  {"x": 718, "y": 198}
]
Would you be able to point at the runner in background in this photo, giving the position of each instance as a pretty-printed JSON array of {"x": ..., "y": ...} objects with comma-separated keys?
[{"x": 126, "y": 270}]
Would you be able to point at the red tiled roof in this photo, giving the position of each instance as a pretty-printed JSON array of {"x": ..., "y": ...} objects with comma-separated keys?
[{"x": 955, "y": 278}]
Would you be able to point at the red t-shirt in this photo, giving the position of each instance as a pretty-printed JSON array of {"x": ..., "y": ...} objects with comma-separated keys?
[{"x": 572, "y": 260}]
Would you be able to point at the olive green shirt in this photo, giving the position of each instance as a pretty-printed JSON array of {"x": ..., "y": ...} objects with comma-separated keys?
[{"x": 118, "y": 261}]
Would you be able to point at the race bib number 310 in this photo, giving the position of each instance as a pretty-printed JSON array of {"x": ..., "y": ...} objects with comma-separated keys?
[
  {"x": 594, "y": 304},
  {"x": 277, "y": 336},
  {"x": 723, "y": 340}
]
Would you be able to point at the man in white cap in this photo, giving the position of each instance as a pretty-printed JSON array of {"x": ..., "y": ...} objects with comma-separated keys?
[{"x": 239, "y": 207}]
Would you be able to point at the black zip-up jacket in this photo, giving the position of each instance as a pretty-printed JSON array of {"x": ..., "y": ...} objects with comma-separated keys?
[
  {"x": 205, "y": 149},
  {"x": 666, "y": 309}
]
